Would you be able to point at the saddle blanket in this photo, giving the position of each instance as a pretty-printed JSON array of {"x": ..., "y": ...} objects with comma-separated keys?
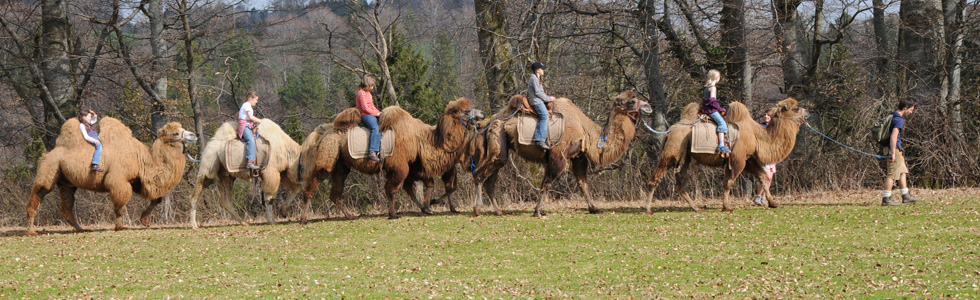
[
  {"x": 526, "y": 124},
  {"x": 235, "y": 154},
  {"x": 704, "y": 137},
  {"x": 357, "y": 142}
]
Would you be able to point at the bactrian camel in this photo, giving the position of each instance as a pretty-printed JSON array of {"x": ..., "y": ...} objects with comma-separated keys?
[
  {"x": 423, "y": 152},
  {"x": 130, "y": 167},
  {"x": 756, "y": 147},
  {"x": 585, "y": 144}
]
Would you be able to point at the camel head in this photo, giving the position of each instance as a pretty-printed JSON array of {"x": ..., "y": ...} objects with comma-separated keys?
[
  {"x": 173, "y": 132},
  {"x": 631, "y": 104},
  {"x": 789, "y": 108},
  {"x": 462, "y": 110}
]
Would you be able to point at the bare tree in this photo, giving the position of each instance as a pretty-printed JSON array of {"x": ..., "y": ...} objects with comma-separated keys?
[
  {"x": 495, "y": 50},
  {"x": 373, "y": 29},
  {"x": 920, "y": 39}
]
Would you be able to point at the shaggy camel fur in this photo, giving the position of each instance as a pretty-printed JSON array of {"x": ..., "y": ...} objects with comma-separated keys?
[
  {"x": 756, "y": 147},
  {"x": 423, "y": 152},
  {"x": 283, "y": 168},
  {"x": 129, "y": 167},
  {"x": 475, "y": 154},
  {"x": 584, "y": 145}
]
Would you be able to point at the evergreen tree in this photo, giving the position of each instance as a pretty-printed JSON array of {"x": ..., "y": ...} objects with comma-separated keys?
[
  {"x": 306, "y": 89},
  {"x": 445, "y": 77},
  {"x": 409, "y": 71}
]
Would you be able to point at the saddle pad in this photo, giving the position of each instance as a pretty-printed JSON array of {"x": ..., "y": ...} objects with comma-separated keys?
[
  {"x": 704, "y": 137},
  {"x": 357, "y": 142},
  {"x": 235, "y": 154},
  {"x": 526, "y": 124}
]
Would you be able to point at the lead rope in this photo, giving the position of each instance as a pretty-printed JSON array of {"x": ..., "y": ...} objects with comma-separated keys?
[{"x": 842, "y": 144}]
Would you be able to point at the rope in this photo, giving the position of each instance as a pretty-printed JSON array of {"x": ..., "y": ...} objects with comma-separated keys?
[
  {"x": 842, "y": 144},
  {"x": 472, "y": 165},
  {"x": 504, "y": 119},
  {"x": 671, "y": 127},
  {"x": 602, "y": 141}
]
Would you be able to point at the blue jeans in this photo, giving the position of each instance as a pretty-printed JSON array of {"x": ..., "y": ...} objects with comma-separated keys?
[
  {"x": 374, "y": 142},
  {"x": 541, "y": 130},
  {"x": 97, "y": 156},
  {"x": 722, "y": 126},
  {"x": 249, "y": 140}
]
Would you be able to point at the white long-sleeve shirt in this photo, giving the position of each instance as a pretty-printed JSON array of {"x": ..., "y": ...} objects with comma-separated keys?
[{"x": 87, "y": 137}]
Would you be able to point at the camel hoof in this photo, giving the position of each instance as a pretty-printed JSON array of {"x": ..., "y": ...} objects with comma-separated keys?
[
  {"x": 540, "y": 213},
  {"x": 30, "y": 233},
  {"x": 500, "y": 213},
  {"x": 302, "y": 221},
  {"x": 394, "y": 217},
  {"x": 145, "y": 220},
  {"x": 118, "y": 228},
  {"x": 773, "y": 205},
  {"x": 595, "y": 211},
  {"x": 243, "y": 223},
  {"x": 727, "y": 210},
  {"x": 428, "y": 211},
  {"x": 350, "y": 218},
  {"x": 453, "y": 210}
]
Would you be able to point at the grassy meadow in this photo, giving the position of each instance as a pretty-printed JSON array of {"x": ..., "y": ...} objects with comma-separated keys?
[{"x": 835, "y": 245}]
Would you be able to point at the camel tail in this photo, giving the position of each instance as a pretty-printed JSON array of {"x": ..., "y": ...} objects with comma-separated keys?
[
  {"x": 46, "y": 175},
  {"x": 738, "y": 112},
  {"x": 347, "y": 118}
]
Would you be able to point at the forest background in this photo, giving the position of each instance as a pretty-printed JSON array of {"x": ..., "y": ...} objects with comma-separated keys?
[{"x": 149, "y": 62}]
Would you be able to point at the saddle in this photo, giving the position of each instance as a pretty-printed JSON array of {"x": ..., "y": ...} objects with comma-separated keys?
[
  {"x": 526, "y": 123},
  {"x": 704, "y": 136},
  {"x": 527, "y": 109},
  {"x": 358, "y": 142},
  {"x": 235, "y": 155}
]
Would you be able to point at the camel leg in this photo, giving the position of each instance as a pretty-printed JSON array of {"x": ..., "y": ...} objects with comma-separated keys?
[
  {"x": 449, "y": 184},
  {"x": 478, "y": 204},
  {"x": 663, "y": 165},
  {"x": 409, "y": 186},
  {"x": 199, "y": 186},
  {"x": 490, "y": 186},
  {"x": 393, "y": 182},
  {"x": 120, "y": 195},
  {"x": 682, "y": 177},
  {"x": 552, "y": 170},
  {"x": 37, "y": 194},
  {"x": 428, "y": 186},
  {"x": 270, "y": 187},
  {"x": 225, "y": 199},
  {"x": 292, "y": 191},
  {"x": 145, "y": 215},
  {"x": 337, "y": 178},
  {"x": 580, "y": 169},
  {"x": 737, "y": 165},
  {"x": 67, "y": 210}
]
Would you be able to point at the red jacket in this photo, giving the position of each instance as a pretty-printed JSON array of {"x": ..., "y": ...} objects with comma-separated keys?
[{"x": 365, "y": 104}]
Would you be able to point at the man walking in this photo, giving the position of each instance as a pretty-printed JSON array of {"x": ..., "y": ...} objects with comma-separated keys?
[{"x": 897, "y": 169}]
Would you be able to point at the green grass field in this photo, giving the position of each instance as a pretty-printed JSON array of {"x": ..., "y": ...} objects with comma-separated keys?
[{"x": 817, "y": 246}]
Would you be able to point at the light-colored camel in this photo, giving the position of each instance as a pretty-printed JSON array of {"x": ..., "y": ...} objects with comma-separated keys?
[
  {"x": 129, "y": 167},
  {"x": 756, "y": 147},
  {"x": 283, "y": 168},
  {"x": 585, "y": 144},
  {"x": 422, "y": 152}
]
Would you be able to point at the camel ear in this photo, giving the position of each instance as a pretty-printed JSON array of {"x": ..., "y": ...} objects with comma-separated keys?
[{"x": 453, "y": 110}]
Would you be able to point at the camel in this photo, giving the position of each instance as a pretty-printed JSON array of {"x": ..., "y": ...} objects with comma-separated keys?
[
  {"x": 283, "y": 168},
  {"x": 475, "y": 154},
  {"x": 423, "y": 152},
  {"x": 756, "y": 147},
  {"x": 129, "y": 166},
  {"x": 585, "y": 144}
]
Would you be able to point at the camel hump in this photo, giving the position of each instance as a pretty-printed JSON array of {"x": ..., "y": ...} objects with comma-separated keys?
[
  {"x": 347, "y": 118},
  {"x": 738, "y": 112},
  {"x": 391, "y": 116},
  {"x": 226, "y": 131},
  {"x": 111, "y": 131},
  {"x": 690, "y": 112}
]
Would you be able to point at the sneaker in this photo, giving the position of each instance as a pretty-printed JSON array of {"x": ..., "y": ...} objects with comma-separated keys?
[
  {"x": 887, "y": 201},
  {"x": 542, "y": 144},
  {"x": 251, "y": 166},
  {"x": 909, "y": 199},
  {"x": 96, "y": 168},
  {"x": 724, "y": 149},
  {"x": 374, "y": 156},
  {"x": 759, "y": 200}
]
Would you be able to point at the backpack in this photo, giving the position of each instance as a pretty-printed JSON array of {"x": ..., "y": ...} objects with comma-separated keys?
[{"x": 883, "y": 130}]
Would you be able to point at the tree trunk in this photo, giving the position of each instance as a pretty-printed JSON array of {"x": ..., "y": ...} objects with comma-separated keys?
[
  {"x": 738, "y": 70},
  {"x": 651, "y": 64},
  {"x": 882, "y": 69},
  {"x": 189, "y": 48},
  {"x": 920, "y": 38},
  {"x": 787, "y": 31},
  {"x": 159, "y": 67},
  {"x": 495, "y": 50},
  {"x": 56, "y": 68},
  {"x": 953, "y": 11}
]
